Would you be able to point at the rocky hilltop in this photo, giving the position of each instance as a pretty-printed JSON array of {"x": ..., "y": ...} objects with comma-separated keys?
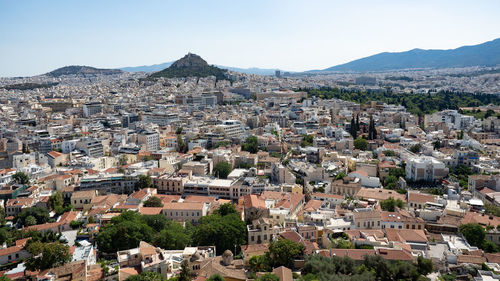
[
  {"x": 81, "y": 69},
  {"x": 191, "y": 65}
]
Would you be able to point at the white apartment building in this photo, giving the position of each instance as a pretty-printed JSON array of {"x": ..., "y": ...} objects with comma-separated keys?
[
  {"x": 93, "y": 108},
  {"x": 91, "y": 147},
  {"x": 425, "y": 169},
  {"x": 151, "y": 140},
  {"x": 231, "y": 128}
]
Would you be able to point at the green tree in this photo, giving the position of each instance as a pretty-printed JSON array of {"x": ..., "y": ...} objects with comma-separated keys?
[
  {"x": 415, "y": 148},
  {"x": 181, "y": 146},
  {"x": 474, "y": 233},
  {"x": 56, "y": 200},
  {"x": 146, "y": 276},
  {"x": 353, "y": 129},
  {"x": 259, "y": 263},
  {"x": 360, "y": 144},
  {"x": 21, "y": 178},
  {"x": 251, "y": 145},
  {"x": 268, "y": 277},
  {"x": 47, "y": 255},
  {"x": 179, "y": 130},
  {"x": 123, "y": 160},
  {"x": 153, "y": 201},
  {"x": 30, "y": 220},
  {"x": 340, "y": 176},
  {"x": 225, "y": 232},
  {"x": 307, "y": 141},
  {"x": 124, "y": 232},
  {"x": 424, "y": 265},
  {"x": 215, "y": 277},
  {"x": 185, "y": 274},
  {"x": 41, "y": 215},
  {"x": 390, "y": 204},
  {"x": 340, "y": 243},
  {"x": 222, "y": 170},
  {"x": 437, "y": 144},
  {"x": 283, "y": 252},
  {"x": 144, "y": 181},
  {"x": 4, "y": 278},
  {"x": 226, "y": 209},
  {"x": 390, "y": 182},
  {"x": 173, "y": 237},
  {"x": 2, "y": 216}
]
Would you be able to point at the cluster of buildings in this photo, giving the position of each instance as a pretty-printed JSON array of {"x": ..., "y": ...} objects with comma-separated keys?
[{"x": 304, "y": 179}]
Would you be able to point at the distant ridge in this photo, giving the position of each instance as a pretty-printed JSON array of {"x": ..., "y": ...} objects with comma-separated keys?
[
  {"x": 485, "y": 54},
  {"x": 161, "y": 66},
  {"x": 191, "y": 65},
  {"x": 80, "y": 69}
]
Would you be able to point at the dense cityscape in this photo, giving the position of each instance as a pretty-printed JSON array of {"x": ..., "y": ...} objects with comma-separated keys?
[
  {"x": 122, "y": 176},
  {"x": 249, "y": 141}
]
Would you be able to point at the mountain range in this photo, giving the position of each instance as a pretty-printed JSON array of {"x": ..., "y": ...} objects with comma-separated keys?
[{"x": 485, "y": 54}]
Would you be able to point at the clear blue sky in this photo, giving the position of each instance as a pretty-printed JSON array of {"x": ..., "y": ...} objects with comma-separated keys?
[{"x": 39, "y": 36}]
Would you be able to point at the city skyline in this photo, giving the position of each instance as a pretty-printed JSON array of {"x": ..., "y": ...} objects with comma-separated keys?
[{"x": 293, "y": 36}]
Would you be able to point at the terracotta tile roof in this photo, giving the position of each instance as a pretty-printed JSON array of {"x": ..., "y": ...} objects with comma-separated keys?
[
  {"x": 284, "y": 273},
  {"x": 406, "y": 235},
  {"x": 292, "y": 236},
  {"x": 386, "y": 164},
  {"x": 150, "y": 210},
  {"x": 482, "y": 219},
  {"x": 395, "y": 254},
  {"x": 379, "y": 194},
  {"x": 495, "y": 258},
  {"x": 183, "y": 206},
  {"x": 355, "y": 254},
  {"x": 420, "y": 197},
  {"x": 470, "y": 259},
  {"x": 312, "y": 205},
  {"x": 199, "y": 198},
  {"x": 255, "y": 249},
  {"x": 84, "y": 194},
  {"x": 290, "y": 200},
  {"x": 327, "y": 195},
  {"x": 254, "y": 201},
  {"x": 54, "y": 154},
  {"x": 168, "y": 198}
]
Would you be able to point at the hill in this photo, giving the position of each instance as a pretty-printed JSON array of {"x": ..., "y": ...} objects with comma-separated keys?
[
  {"x": 80, "y": 69},
  {"x": 485, "y": 54},
  {"x": 191, "y": 65},
  {"x": 147, "y": 68},
  {"x": 161, "y": 66}
]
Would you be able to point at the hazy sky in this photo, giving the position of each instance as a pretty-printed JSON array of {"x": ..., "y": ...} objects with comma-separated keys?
[{"x": 39, "y": 36}]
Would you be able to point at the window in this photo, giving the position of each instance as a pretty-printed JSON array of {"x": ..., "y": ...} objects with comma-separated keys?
[{"x": 252, "y": 238}]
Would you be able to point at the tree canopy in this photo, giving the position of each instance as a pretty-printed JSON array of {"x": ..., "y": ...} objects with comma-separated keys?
[
  {"x": 391, "y": 204},
  {"x": 416, "y": 104},
  {"x": 21, "y": 178},
  {"x": 39, "y": 214},
  {"x": 360, "y": 143},
  {"x": 283, "y": 252},
  {"x": 226, "y": 232},
  {"x": 153, "y": 201},
  {"x": 47, "y": 255},
  {"x": 222, "y": 170},
  {"x": 144, "y": 181},
  {"x": 251, "y": 145}
]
